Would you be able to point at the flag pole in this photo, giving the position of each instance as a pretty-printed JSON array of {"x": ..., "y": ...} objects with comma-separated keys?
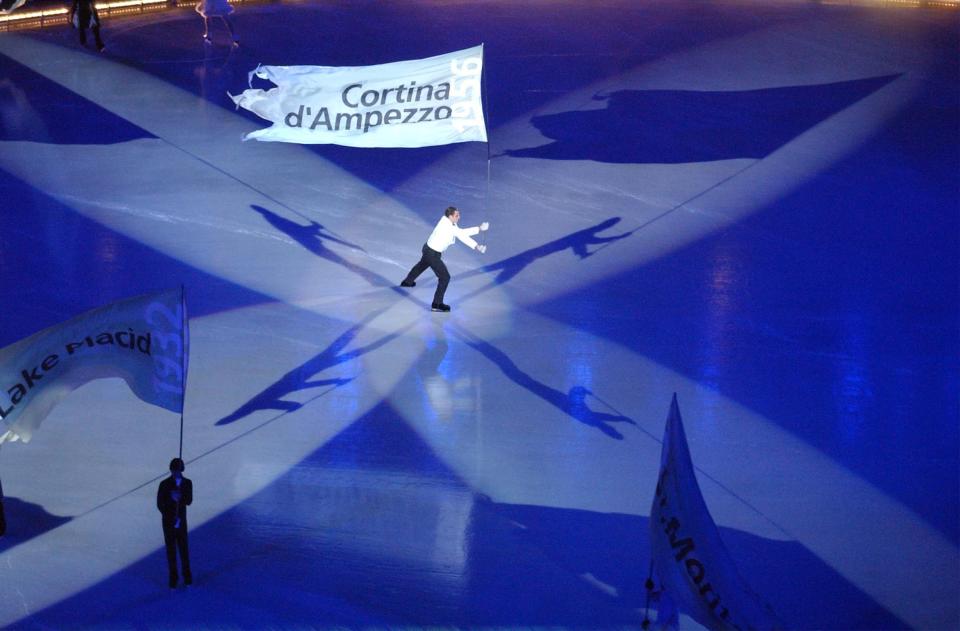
[
  {"x": 183, "y": 363},
  {"x": 484, "y": 101}
]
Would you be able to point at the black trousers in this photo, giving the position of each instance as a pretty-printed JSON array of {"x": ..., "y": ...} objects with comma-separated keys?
[
  {"x": 87, "y": 19},
  {"x": 433, "y": 260},
  {"x": 174, "y": 539},
  {"x": 96, "y": 36}
]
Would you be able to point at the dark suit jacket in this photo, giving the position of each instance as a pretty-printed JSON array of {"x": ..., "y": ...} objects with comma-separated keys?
[
  {"x": 86, "y": 14},
  {"x": 168, "y": 508}
]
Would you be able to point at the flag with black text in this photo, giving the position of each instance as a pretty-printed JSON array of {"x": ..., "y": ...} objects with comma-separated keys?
[
  {"x": 692, "y": 567},
  {"x": 142, "y": 340},
  {"x": 415, "y": 103}
]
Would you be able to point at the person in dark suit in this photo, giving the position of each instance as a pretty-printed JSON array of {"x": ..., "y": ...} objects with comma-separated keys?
[
  {"x": 173, "y": 496},
  {"x": 83, "y": 16}
]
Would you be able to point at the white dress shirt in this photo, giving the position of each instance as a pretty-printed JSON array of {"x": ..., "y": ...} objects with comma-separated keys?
[{"x": 446, "y": 232}]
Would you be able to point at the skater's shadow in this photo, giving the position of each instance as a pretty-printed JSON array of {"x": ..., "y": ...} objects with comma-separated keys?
[
  {"x": 303, "y": 376},
  {"x": 573, "y": 403},
  {"x": 313, "y": 237},
  {"x": 680, "y": 126},
  {"x": 579, "y": 242},
  {"x": 25, "y": 520}
]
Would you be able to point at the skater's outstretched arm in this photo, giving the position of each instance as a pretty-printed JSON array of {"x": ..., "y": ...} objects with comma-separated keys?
[{"x": 465, "y": 234}]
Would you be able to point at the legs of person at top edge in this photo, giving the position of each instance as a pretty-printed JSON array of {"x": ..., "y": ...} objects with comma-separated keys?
[
  {"x": 226, "y": 22},
  {"x": 97, "y": 39},
  {"x": 233, "y": 34},
  {"x": 82, "y": 33}
]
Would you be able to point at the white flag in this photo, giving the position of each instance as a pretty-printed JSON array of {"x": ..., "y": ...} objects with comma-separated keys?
[
  {"x": 690, "y": 561},
  {"x": 143, "y": 340},
  {"x": 416, "y": 103}
]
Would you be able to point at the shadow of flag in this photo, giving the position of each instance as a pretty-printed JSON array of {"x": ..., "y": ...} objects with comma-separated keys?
[
  {"x": 680, "y": 126},
  {"x": 58, "y": 115},
  {"x": 23, "y": 521}
]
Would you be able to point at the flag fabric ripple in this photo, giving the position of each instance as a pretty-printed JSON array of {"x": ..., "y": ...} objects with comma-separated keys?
[{"x": 142, "y": 340}]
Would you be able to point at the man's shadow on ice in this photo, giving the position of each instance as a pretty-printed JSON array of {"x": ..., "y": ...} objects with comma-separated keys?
[
  {"x": 686, "y": 126},
  {"x": 314, "y": 237},
  {"x": 303, "y": 376},
  {"x": 25, "y": 520},
  {"x": 579, "y": 242},
  {"x": 573, "y": 403}
]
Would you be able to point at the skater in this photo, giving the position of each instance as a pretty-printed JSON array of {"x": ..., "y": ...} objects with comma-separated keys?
[
  {"x": 83, "y": 16},
  {"x": 444, "y": 234},
  {"x": 216, "y": 9},
  {"x": 173, "y": 496}
]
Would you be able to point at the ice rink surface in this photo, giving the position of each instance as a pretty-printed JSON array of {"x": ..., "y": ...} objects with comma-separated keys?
[{"x": 753, "y": 205}]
